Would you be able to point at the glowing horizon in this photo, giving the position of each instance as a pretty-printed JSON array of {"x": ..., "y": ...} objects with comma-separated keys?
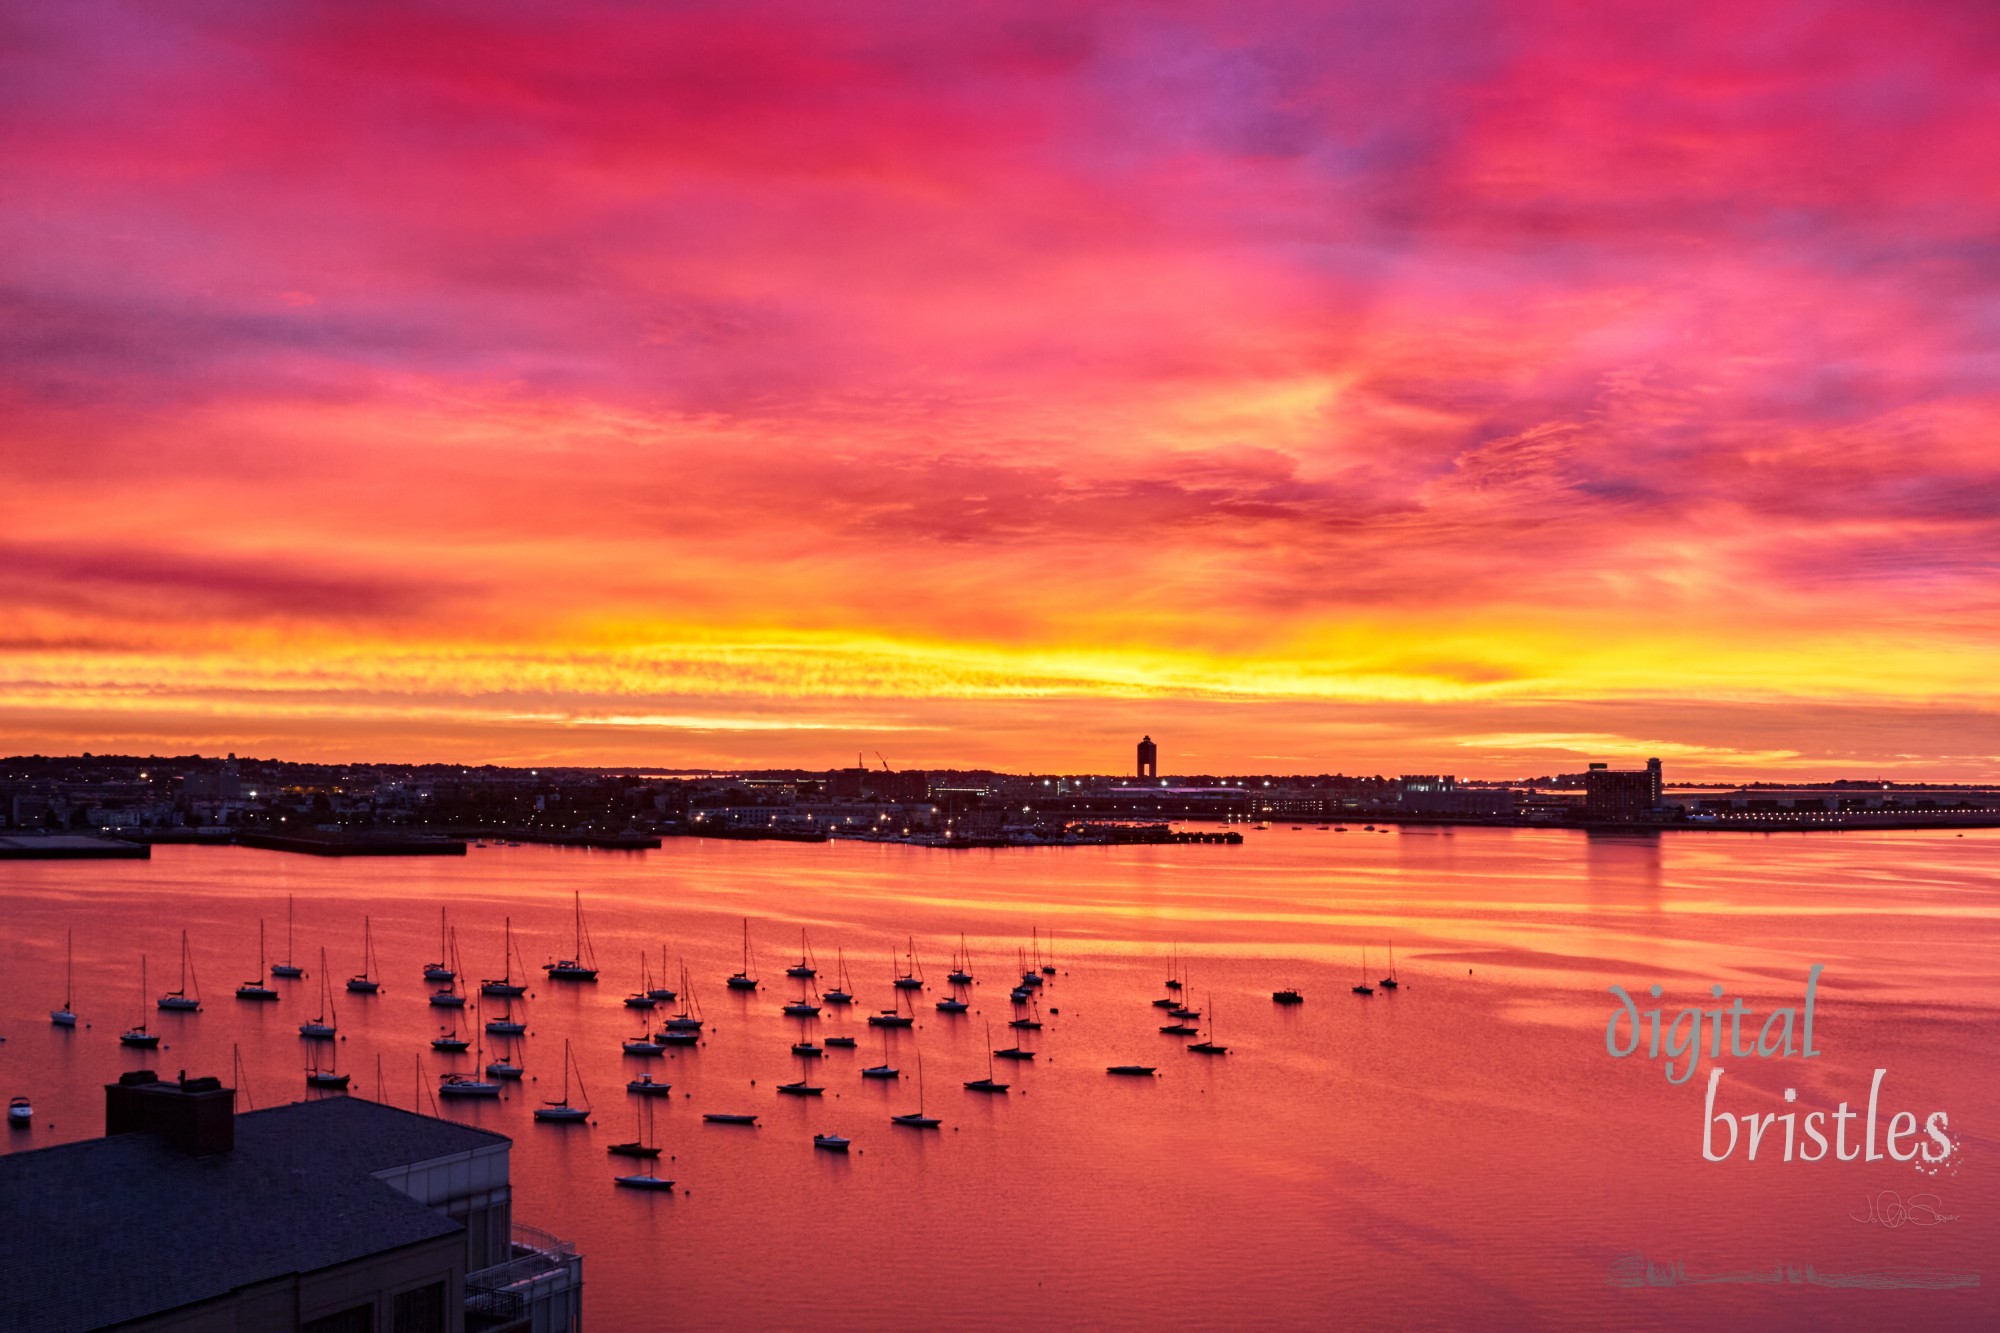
[{"x": 1467, "y": 387}]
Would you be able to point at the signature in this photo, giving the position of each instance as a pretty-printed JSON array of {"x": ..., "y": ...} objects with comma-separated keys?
[
  {"x": 1636, "y": 1270},
  {"x": 1890, "y": 1209}
]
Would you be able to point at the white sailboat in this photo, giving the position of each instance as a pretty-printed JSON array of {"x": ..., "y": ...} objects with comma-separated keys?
[
  {"x": 288, "y": 969},
  {"x": 366, "y": 983},
  {"x": 65, "y": 1017},
  {"x": 505, "y": 983},
  {"x": 255, "y": 989},
  {"x": 180, "y": 1000},
  {"x": 323, "y": 1027},
  {"x": 917, "y": 1120},
  {"x": 581, "y": 965},
  {"x": 137, "y": 1035},
  {"x": 560, "y": 1111},
  {"x": 744, "y": 980},
  {"x": 441, "y": 970}
]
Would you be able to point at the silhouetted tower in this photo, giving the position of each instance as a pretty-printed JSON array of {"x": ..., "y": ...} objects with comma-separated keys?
[
  {"x": 1149, "y": 758},
  {"x": 1659, "y": 787}
]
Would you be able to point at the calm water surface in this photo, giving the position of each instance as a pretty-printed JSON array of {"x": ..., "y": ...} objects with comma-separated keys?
[{"x": 1461, "y": 1153}]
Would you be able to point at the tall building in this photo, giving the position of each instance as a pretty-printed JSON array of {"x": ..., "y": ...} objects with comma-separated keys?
[
  {"x": 1149, "y": 758},
  {"x": 1622, "y": 794},
  {"x": 336, "y": 1216}
]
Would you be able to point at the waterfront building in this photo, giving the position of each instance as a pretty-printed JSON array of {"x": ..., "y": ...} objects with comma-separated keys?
[
  {"x": 330, "y": 1216},
  {"x": 1149, "y": 758},
  {"x": 1622, "y": 794}
]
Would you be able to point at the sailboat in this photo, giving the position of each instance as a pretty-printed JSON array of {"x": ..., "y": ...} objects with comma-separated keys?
[
  {"x": 328, "y": 1077},
  {"x": 502, "y": 1065},
  {"x": 807, "y": 966},
  {"x": 366, "y": 984},
  {"x": 504, "y": 984},
  {"x": 644, "y": 1180},
  {"x": 450, "y": 997},
  {"x": 1389, "y": 982},
  {"x": 743, "y": 980},
  {"x": 65, "y": 1017},
  {"x": 842, "y": 992},
  {"x": 643, "y": 997},
  {"x": 466, "y": 1085},
  {"x": 1030, "y": 977},
  {"x": 830, "y": 1143},
  {"x": 803, "y": 1088},
  {"x": 1208, "y": 1046},
  {"x": 1049, "y": 963},
  {"x": 321, "y": 1028},
  {"x": 917, "y": 1120},
  {"x": 288, "y": 968},
  {"x": 885, "y": 1069},
  {"x": 912, "y": 977},
  {"x": 255, "y": 989},
  {"x": 581, "y": 965},
  {"x": 1030, "y": 1021},
  {"x": 643, "y": 1045},
  {"x": 1014, "y": 1052},
  {"x": 961, "y": 965},
  {"x": 951, "y": 1004},
  {"x": 1363, "y": 988},
  {"x": 180, "y": 999},
  {"x": 506, "y": 1025},
  {"x": 137, "y": 1035},
  {"x": 449, "y": 1040},
  {"x": 684, "y": 1028},
  {"x": 987, "y": 1084},
  {"x": 441, "y": 970},
  {"x": 662, "y": 991},
  {"x": 1174, "y": 976},
  {"x": 803, "y": 1007},
  {"x": 642, "y": 1114},
  {"x": 646, "y": 1087}
]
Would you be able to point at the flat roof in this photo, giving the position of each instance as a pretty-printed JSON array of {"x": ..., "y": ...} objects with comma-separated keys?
[{"x": 113, "y": 1229}]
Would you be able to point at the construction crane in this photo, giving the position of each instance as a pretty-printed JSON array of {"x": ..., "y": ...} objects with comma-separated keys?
[{"x": 885, "y": 763}]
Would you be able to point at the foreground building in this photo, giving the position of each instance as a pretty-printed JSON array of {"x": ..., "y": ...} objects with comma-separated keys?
[{"x": 334, "y": 1216}]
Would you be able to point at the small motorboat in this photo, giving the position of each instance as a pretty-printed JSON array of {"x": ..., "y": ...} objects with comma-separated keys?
[
  {"x": 450, "y": 1041},
  {"x": 985, "y": 1085},
  {"x": 800, "y": 1089},
  {"x": 889, "y": 1018},
  {"x": 20, "y": 1112},
  {"x": 645, "y": 1087},
  {"x": 952, "y": 1006},
  {"x": 645, "y": 1181},
  {"x": 503, "y": 1069},
  {"x": 881, "y": 1071},
  {"x": 1180, "y": 1030},
  {"x": 844, "y": 1043},
  {"x": 1014, "y": 1053},
  {"x": 806, "y": 1050},
  {"x": 678, "y": 1037},
  {"x": 326, "y": 1078},
  {"x": 801, "y": 1009},
  {"x": 829, "y": 1143},
  {"x": 641, "y": 1046},
  {"x": 1145, "y": 1071},
  {"x": 1287, "y": 997},
  {"x": 728, "y": 1118}
]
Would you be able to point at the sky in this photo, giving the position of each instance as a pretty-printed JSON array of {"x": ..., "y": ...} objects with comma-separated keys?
[{"x": 1470, "y": 387}]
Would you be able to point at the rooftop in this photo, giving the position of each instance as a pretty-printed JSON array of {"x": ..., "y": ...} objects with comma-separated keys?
[{"x": 155, "y": 1229}]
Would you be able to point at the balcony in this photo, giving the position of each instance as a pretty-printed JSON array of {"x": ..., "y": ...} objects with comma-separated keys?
[{"x": 537, "y": 1290}]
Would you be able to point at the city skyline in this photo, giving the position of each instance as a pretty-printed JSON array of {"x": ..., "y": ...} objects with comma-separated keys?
[{"x": 1456, "y": 389}]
